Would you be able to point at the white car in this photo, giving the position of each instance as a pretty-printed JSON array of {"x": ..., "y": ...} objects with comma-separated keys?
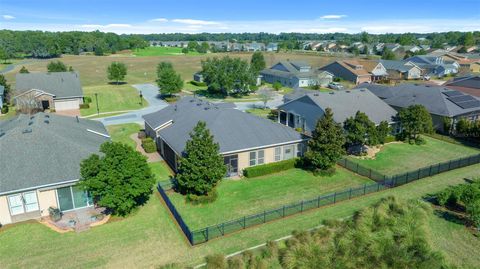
[{"x": 335, "y": 86}]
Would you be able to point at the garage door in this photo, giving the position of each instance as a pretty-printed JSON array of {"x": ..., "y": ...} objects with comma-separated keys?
[{"x": 67, "y": 104}]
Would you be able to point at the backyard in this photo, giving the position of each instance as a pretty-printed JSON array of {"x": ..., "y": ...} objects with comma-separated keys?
[
  {"x": 397, "y": 157},
  {"x": 122, "y": 132},
  {"x": 237, "y": 198}
]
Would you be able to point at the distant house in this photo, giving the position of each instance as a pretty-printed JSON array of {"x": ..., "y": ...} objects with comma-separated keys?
[
  {"x": 392, "y": 46},
  {"x": 402, "y": 69},
  {"x": 440, "y": 101},
  {"x": 2, "y": 93},
  {"x": 59, "y": 90},
  {"x": 304, "y": 111},
  {"x": 435, "y": 65},
  {"x": 40, "y": 160},
  {"x": 467, "y": 84},
  {"x": 350, "y": 70},
  {"x": 198, "y": 77},
  {"x": 413, "y": 48},
  {"x": 295, "y": 74},
  {"x": 245, "y": 140},
  {"x": 272, "y": 47},
  {"x": 254, "y": 46}
]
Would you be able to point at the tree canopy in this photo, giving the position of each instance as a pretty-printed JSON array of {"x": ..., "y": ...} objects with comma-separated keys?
[
  {"x": 117, "y": 71},
  {"x": 24, "y": 70},
  {"x": 360, "y": 130},
  {"x": 387, "y": 54},
  {"x": 202, "y": 166},
  {"x": 119, "y": 180},
  {"x": 257, "y": 63},
  {"x": 56, "y": 66},
  {"x": 227, "y": 75},
  {"x": 325, "y": 147},
  {"x": 168, "y": 80},
  {"x": 415, "y": 120}
]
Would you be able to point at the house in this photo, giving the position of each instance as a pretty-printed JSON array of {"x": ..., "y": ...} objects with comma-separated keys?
[
  {"x": 469, "y": 84},
  {"x": 402, "y": 69},
  {"x": 198, "y": 77},
  {"x": 272, "y": 47},
  {"x": 295, "y": 74},
  {"x": 40, "y": 160},
  {"x": 375, "y": 68},
  {"x": 254, "y": 46},
  {"x": 350, "y": 70},
  {"x": 413, "y": 48},
  {"x": 392, "y": 46},
  {"x": 2, "y": 92},
  {"x": 435, "y": 65},
  {"x": 245, "y": 140},
  {"x": 440, "y": 101},
  {"x": 59, "y": 90},
  {"x": 305, "y": 111}
]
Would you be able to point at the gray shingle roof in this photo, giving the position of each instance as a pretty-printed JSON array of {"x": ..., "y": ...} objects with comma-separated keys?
[
  {"x": 2, "y": 90},
  {"x": 472, "y": 81},
  {"x": 344, "y": 104},
  {"x": 234, "y": 130},
  {"x": 431, "y": 97},
  {"x": 50, "y": 154},
  {"x": 60, "y": 84},
  {"x": 293, "y": 70},
  {"x": 400, "y": 66}
]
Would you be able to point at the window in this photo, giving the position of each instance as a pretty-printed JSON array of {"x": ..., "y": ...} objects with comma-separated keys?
[
  {"x": 257, "y": 157},
  {"x": 73, "y": 197},
  {"x": 288, "y": 152},
  {"x": 278, "y": 154},
  {"x": 299, "y": 150},
  {"x": 23, "y": 202}
]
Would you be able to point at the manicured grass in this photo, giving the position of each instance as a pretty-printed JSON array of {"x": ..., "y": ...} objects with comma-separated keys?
[
  {"x": 395, "y": 158},
  {"x": 162, "y": 51},
  {"x": 237, "y": 198},
  {"x": 192, "y": 88},
  {"x": 159, "y": 170},
  {"x": 259, "y": 112},
  {"x": 112, "y": 98},
  {"x": 150, "y": 238},
  {"x": 122, "y": 132}
]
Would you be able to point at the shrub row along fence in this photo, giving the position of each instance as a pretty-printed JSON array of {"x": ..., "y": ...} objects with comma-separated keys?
[
  {"x": 411, "y": 175},
  {"x": 383, "y": 182}
]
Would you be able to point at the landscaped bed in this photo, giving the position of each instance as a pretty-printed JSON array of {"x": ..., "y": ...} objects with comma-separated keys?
[
  {"x": 397, "y": 157},
  {"x": 237, "y": 198}
]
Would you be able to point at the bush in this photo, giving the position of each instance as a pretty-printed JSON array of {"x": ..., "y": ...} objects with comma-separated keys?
[
  {"x": 265, "y": 169},
  {"x": 87, "y": 100},
  {"x": 149, "y": 145},
  {"x": 197, "y": 83},
  {"x": 390, "y": 139},
  {"x": 236, "y": 263},
  {"x": 142, "y": 135},
  {"x": 5, "y": 109},
  {"x": 84, "y": 106},
  {"x": 216, "y": 261},
  {"x": 202, "y": 199}
]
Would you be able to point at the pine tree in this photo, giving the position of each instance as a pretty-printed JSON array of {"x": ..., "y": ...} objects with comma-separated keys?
[
  {"x": 326, "y": 146},
  {"x": 167, "y": 79},
  {"x": 257, "y": 62},
  {"x": 415, "y": 120},
  {"x": 24, "y": 70},
  {"x": 56, "y": 66},
  {"x": 202, "y": 167}
]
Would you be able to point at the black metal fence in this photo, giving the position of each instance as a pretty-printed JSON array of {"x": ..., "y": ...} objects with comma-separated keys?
[{"x": 382, "y": 182}]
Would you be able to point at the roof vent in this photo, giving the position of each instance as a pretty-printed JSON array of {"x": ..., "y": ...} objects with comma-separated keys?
[
  {"x": 27, "y": 131},
  {"x": 46, "y": 121},
  {"x": 32, "y": 117},
  {"x": 348, "y": 91},
  {"x": 316, "y": 94},
  {"x": 175, "y": 107},
  {"x": 47, "y": 116},
  {"x": 30, "y": 123},
  {"x": 331, "y": 93},
  {"x": 2, "y": 133},
  {"x": 362, "y": 90}
]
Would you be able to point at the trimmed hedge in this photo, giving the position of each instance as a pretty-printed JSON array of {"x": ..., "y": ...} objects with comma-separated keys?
[
  {"x": 202, "y": 199},
  {"x": 149, "y": 145},
  {"x": 266, "y": 169},
  {"x": 199, "y": 84},
  {"x": 84, "y": 106}
]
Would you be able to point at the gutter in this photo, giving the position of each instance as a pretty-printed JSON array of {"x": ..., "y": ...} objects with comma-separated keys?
[{"x": 39, "y": 187}]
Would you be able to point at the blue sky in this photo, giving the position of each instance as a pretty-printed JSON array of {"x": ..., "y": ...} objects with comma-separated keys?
[{"x": 319, "y": 16}]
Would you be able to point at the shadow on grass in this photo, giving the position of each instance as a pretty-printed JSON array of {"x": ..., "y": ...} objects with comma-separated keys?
[
  {"x": 449, "y": 216},
  {"x": 117, "y": 83}
]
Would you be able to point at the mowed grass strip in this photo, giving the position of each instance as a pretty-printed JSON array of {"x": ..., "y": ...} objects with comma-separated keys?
[
  {"x": 122, "y": 132},
  {"x": 149, "y": 237},
  {"x": 237, "y": 198},
  {"x": 112, "y": 98},
  {"x": 397, "y": 158}
]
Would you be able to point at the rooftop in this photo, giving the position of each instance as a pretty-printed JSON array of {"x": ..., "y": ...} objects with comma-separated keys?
[{"x": 60, "y": 84}]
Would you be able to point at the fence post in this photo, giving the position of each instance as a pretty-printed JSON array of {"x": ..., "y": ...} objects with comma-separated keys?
[
  {"x": 335, "y": 197},
  {"x": 264, "y": 215},
  {"x": 364, "y": 189},
  {"x": 223, "y": 228},
  {"x": 350, "y": 194},
  {"x": 430, "y": 172},
  {"x": 418, "y": 176},
  {"x": 206, "y": 234},
  {"x": 370, "y": 173},
  {"x": 244, "y": 222},
  {"x": 318, "y": 201},
  {"x": 357, "y": 169},
  {"x": 283, "y": 212},
  {"x": 449, "y": 163},
  {"x": 301, "y": 206},
  {"x": 378, "y": 185}
]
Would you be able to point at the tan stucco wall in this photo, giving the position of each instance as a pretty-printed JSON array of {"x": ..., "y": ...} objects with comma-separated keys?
[
  {"x": 46, "y": 199},
  {"x": 4, "y": 211}
]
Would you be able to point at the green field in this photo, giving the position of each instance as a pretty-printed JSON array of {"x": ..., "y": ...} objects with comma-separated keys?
[
  {"x": 162, "y": 51},
  {"x": 237, "y": 198},
  {"x": 149, "y": 237},
  {"x": 122, "y": 132},
  {"x": 112, "y": 98},
  {"x": 398, "y": 157},
  {"x": 264, "y": 113}
]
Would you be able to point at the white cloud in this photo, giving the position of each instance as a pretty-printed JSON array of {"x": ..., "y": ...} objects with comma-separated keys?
[
  {"x": 8, "y": 17},
  {"x": 332, "y": 17},
  {"x": 107, "y": 26},
  {"x": 321, "y": 30},
  {"x": 195, "y": 22},
  {"x": 159, "y": 20}
]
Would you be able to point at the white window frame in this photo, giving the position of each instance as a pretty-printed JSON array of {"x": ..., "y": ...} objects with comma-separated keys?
[
  {"x": 257, "y": 160},
  {"x": 26, "y": 208},
  {"x": 73, "y": 200},
  {"x": 277, "y": 154}
]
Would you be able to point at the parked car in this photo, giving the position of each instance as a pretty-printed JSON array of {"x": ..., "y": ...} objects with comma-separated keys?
[
  {"x": 427, "y": 78},
  {"x": 335, "y": 86}
]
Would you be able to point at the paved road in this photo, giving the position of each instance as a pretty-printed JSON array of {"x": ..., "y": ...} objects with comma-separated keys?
[{"x": 150, "y": 93}]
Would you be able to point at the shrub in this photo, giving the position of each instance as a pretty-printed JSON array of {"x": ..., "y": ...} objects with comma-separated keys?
[
  {"x": 149, "y": 145},
  {"x": 87, "y": 100},
  {"x": 84, "y": 106},
  {"x": 202, "y": 199},
  {"x": 265, "y": 169},
  {"x": 390, "y": 139},
  {"x": 216, "y": 261},
  {"x": 271, "y": 251},
  {"x": 142, "y": 135},
  {"x": 197, "y": 83},
  {"x": 236, "y": 263},
  {"x": 5, "y": 109}
]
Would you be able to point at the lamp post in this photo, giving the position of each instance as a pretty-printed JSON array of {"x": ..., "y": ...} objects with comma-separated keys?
[
  {"x": 141, "y": 98},
  {"x": 96, "y": 100}
]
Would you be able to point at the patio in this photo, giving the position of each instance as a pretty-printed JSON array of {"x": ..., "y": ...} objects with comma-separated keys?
[{"x": 78, "y": 220}]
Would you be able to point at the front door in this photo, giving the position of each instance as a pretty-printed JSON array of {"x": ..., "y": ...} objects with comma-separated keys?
[
  {"x": 231, "y": 162},
  {"x": 45, "y": 104}
]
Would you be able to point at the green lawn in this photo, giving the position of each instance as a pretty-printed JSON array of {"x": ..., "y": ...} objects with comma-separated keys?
[
  {"x": 192, "y": 88},
  {"x": 259, "y": 112},
  {"x": 237, "y": 198},
  {"x": 395, "y": 158},
  {"x": 112, "y": 98},
  {"x": 162, "y": 51},
  {"x": 150, "y": 238},
  {"x": 122, "y": 132},
  {"x": 159, "y": 170}
]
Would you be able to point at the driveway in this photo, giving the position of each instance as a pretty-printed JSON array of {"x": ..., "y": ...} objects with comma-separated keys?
[
  {"x": 276, "y": 101},
  {"x": 150, "y": 93}
]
